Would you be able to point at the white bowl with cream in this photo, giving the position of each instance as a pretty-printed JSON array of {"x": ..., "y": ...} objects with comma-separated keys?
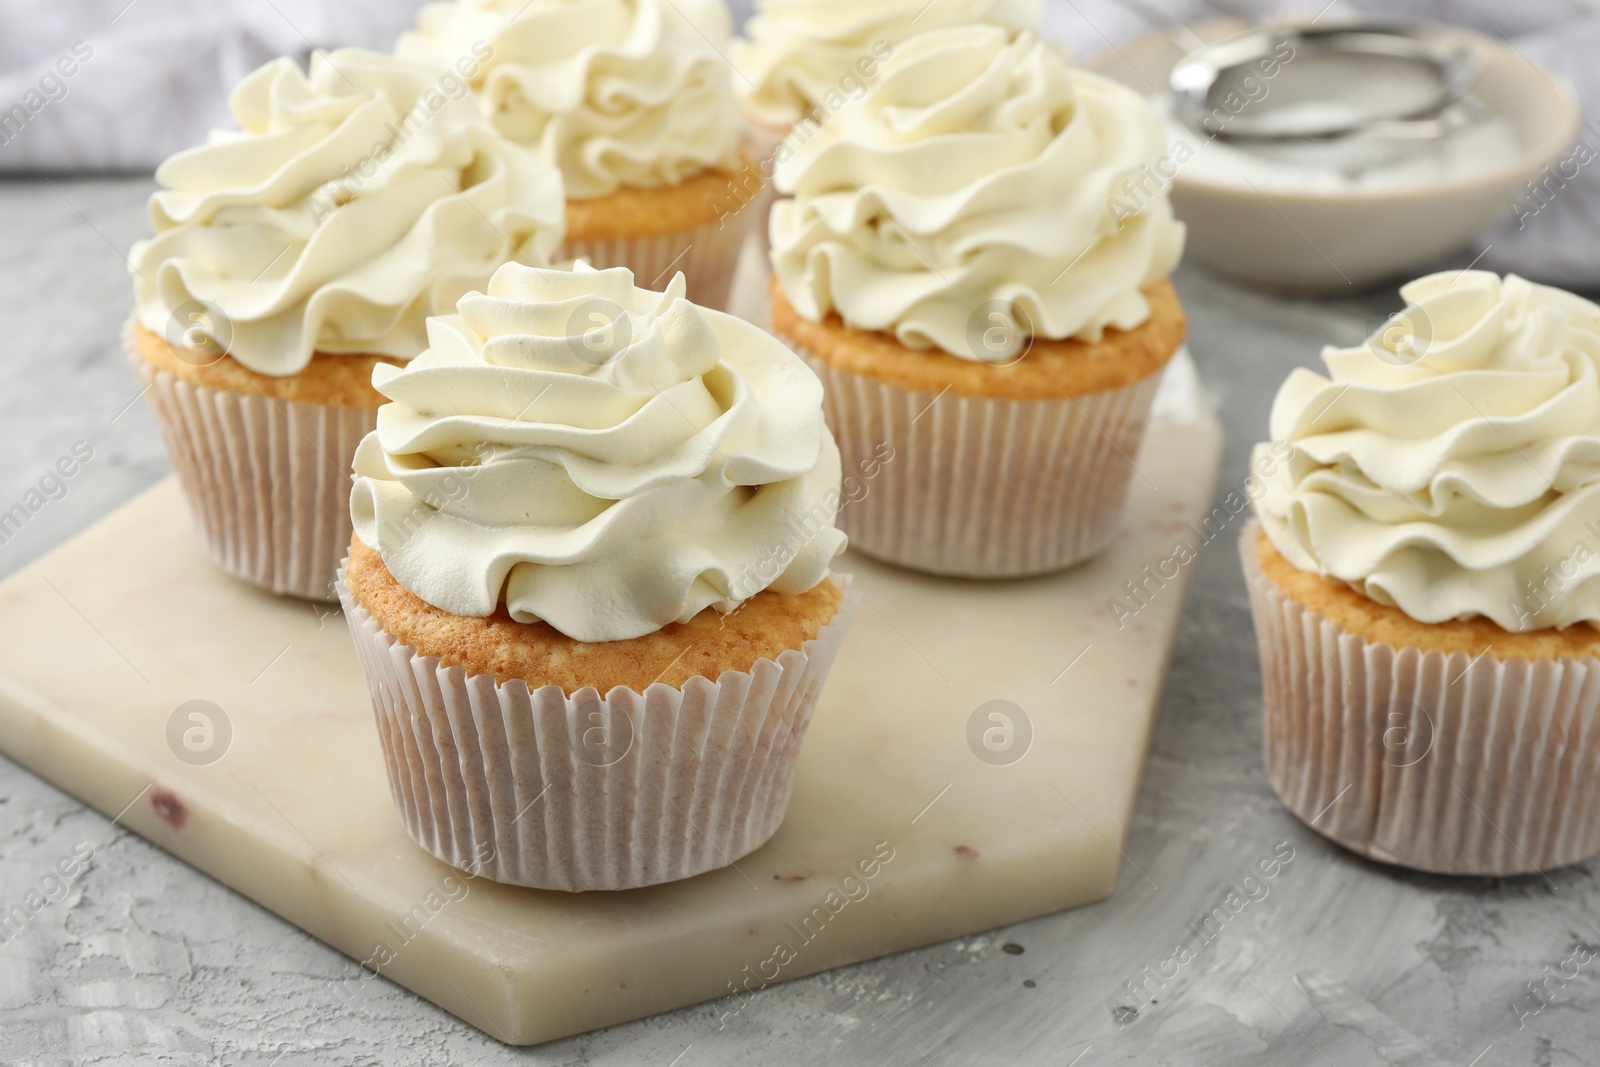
[{"x": 1290, "y": 228}]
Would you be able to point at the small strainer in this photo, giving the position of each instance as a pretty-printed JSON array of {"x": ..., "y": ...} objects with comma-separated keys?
[{"x": 1360, "y": 90}]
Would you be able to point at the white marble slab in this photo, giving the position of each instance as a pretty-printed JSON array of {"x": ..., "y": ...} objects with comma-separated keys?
[{"x": 104, "y": 639}]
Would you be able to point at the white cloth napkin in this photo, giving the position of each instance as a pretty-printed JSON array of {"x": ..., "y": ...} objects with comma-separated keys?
[{"x": 122, "y": 84}]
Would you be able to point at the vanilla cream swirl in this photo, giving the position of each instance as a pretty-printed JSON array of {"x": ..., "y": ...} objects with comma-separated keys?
[
  {"x": 617, "y": 93},
  {"x": 353, "y": 202},
  {"x": 1450, "y": 467},
  {"x": 978, "y": 169},
  {"x": 601, "y": 457},
  {"x": 797, "y": 52}
]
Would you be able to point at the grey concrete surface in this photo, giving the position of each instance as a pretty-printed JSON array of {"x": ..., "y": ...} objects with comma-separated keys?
[{"x": 1337, "y": 961}]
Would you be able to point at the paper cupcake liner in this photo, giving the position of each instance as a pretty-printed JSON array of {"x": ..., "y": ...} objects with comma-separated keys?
[
  {"x": 581, "y": 792},
  {"x": 708, "y": 256},
  {"x": 267, "y": 480},
  {"x": 982, "y": 487},
  {"x": 1442, "y": 763},
  {"x": 761, "y": 145},
  {"x": 762, "y": 141}
]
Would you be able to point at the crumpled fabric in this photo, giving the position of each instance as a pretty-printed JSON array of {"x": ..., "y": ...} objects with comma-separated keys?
[{"x": 150, "y": 77}]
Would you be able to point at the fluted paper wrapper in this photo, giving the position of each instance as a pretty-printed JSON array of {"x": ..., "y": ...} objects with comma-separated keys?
[
  {"x": 761, "y": 145},
  {"x": 708, "y": 256},
  {"x": 982, "y": 487},
  {"x": 761, "y": 141},
  {"x": 267, "y": 480},
  {"x": 1441, "y": 763},
  {"x": 581, "y": 792}
]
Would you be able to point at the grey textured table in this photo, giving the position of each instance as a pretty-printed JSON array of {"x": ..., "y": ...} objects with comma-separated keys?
[{"x": 1334, "y": 960}]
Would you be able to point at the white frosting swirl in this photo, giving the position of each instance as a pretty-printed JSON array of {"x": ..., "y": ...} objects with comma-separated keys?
[
  {"x": 601, "y": 457},
  {"x": 352, "y": 203},
  {"x": 617, "y": 93},
  {"x": 1451, "y": 466},
  {"x": 978, "y": 169},
  {"x": 799, "y": 51}
]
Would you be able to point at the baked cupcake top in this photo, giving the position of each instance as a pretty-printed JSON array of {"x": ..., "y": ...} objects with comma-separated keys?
[
  {"x": 353, "y": 202},
  {"x": 798, "y": 52},
  {"x": 601, "y": 457},
  {"x": 1450, "y": 466},
  {"x": 978, "y": 176},
  {"x": 616, "y": 93}
]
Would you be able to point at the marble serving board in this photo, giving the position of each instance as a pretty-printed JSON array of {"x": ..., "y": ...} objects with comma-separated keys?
[{"x": 917, "y": 814}]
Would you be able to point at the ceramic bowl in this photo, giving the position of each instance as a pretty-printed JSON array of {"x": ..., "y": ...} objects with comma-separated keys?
[{"x": 1345, "y": 241}]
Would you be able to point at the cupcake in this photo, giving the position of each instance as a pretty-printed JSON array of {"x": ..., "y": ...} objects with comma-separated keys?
[
  {"x": 974, "y": 261},
  {"x": 804, "y": 59},
  {"x": 633, "y": 101},
  {"x": 294, "y": 256},
  {"x": 589, "y": 581},
  {"x": 1425, "y": 577}
]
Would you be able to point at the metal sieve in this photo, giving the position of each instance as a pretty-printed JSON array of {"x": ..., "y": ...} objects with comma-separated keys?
[{"x": 1337, "y": 84}]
